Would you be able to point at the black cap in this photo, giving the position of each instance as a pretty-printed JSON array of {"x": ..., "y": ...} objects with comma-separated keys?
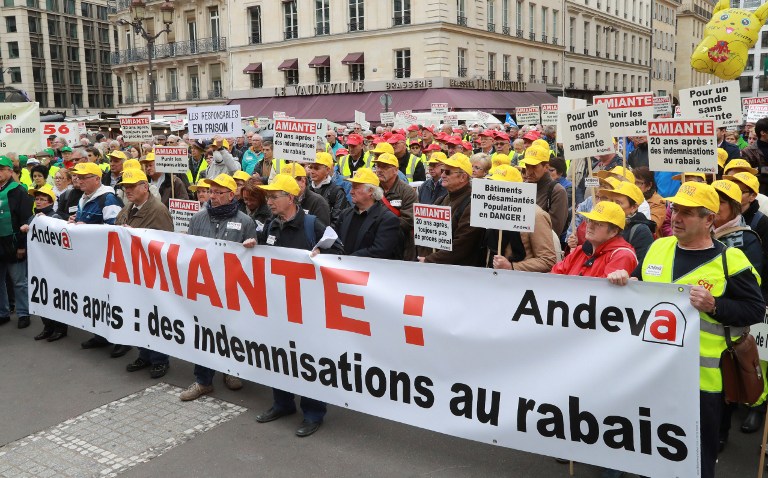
[
  {"x": 199, "y": 145},
  {"x": 99, "y": 136}
]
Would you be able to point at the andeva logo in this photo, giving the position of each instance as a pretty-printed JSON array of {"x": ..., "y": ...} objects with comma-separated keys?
[
  {"x": 53, "y": 238},
  {"x": 666, "y": 325}
]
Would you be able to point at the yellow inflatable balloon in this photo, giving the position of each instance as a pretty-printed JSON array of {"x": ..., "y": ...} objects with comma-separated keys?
[{"x": 727, "y": 38}]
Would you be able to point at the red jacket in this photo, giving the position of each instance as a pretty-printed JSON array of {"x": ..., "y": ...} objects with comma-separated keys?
[{"x": 610, "y": 256}]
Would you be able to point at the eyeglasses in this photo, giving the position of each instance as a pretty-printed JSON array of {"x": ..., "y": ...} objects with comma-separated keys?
[
  {"x": 448, "y": 172},
  {"x": 220, "y": 193},
  {"x": 274, "y": 197}
]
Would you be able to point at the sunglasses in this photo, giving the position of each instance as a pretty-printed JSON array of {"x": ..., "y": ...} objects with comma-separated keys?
[{"x": 447, "y": 172}]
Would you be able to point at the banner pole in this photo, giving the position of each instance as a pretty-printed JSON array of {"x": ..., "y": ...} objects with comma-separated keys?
[
  {"x": 173, "y": 195},
  {"x": 570, "y": 468},
  {"x": 498, "y": 247},
  {"x": 624, "y": 153},
  {"x": 761, "y": 466},
  {"x": 573, "y": 198}
]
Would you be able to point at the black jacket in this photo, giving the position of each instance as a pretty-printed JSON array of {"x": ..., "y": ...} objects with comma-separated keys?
[
  {"x": 291, "y": 234},
  {"x": 261, "y": 215},
  {"x": 758, "y": 222},
  {"x": 378, "y": 236},
  {"x": 316, "y": 205},
  {"x": 20, "y": 204},
  {"x": 733, "y": 151},
  {"x": 335, "y": 197},
  {"x": 640, "y": 230},
  {"x": 639, "y": 156},
  {"x": 68, "y": 203}
]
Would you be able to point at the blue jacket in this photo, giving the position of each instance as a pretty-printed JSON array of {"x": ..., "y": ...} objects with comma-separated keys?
[
  {"x": 95, "y": 209},
  {"x": 250, "y": 159}
]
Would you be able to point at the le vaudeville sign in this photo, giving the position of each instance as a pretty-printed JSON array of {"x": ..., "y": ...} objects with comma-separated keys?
[{"x": 405, "y": 84}]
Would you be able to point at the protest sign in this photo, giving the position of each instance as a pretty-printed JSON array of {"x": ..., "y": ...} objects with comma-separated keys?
[
  {"x": 177, "y": 124},
  {"x": 755, "y": 100},
  {"x": 296, "y": 140},
  {"x": 760, "y": 333},
  {"x": 629, "y": 113},
  {"x": 387, "y": 118},
  {"x": 169, "y": 159},
  {"x": 757, "y": 112},
  {"x": 451, "y": 119},
  {"x": 526, "y": 115},
  {"x": 586, "y": 132},
  {"x": 503, "y": 205},
  {"x": 682, "y": 145},
  {"x": 206, "y": 122},
  {"x": 182, "y": 211},
  {"x": 720, "y": 102},
  {"x": 678, "y": 113},
  {"x": 20, "y": 128},
  {"x": 439, "y": 109},
  {"x": 432, "y": 226},
  {"x": 564, "y": 105},
  {"x": 662, "y": 105},
  {"x": 360, "y": 119},
  {"x": 381, "y": 337},
  {"x": 549, "y": 114},
  {"x": 403, "y": 119},
  {"x": 278, "y": 114},
  {"x": 484, "y": 117},
  {"x": 68, "y": 131},
  {"x": 136, "y": 129}
]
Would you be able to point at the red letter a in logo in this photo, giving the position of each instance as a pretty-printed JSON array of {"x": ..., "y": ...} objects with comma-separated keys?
[{"x": 666, "y": 328}]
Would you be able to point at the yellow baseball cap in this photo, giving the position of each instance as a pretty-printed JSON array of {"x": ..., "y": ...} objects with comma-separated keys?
[
  {"x": 608, "y": 183},
  {"x": 387, "y": 158},
  {"x": 223, "y": 180},
  {"x": 501, "y": 159},
  {"x": 283, "y": 182},
  {"x": 133, "y": 176},
  {"x": 540, "y": 143},
  {"x": 149, "y": 157},
  {"x": 741, "y": 164},
  {"x": 84, "y": 169},
  {"x": 722, "y": 157},
  {"x": 748, "y": 180},
  {"x": 384, "y": 147},
  {"x": 607, "y": 211},
  {"x": 241, "y": 175},
  {"x": 535, "y": 155},
  {"x": 693, "y": 194},
  {"x": 461, "y": 161},
  {"x": 364, "y": 176},
  {"x": 131, "y": 164},
  {"x": 117, "y": 154},
  {"x": 46, "y": 189},
  {"x": 437, "y": 157},
  {"x": 617, "y": 172},
  {"x": 626, "y": 189},
  {"x": 506, "y": 172},
  {"x": 683, "y": 177},
  {"x": 200, "y": 185},
  {"x": 294, "y": 169},
  {"x": 324, "y": 158},
  {"x": 729, "y": 188}
]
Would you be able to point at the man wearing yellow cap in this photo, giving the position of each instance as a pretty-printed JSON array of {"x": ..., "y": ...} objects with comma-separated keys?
[
  {"x": 369, "y": 229},
  {"x": 291, "y": 227},
  {"x": 144, "y": 211},
  {"x": 311, "y": 202},
  {"x": 399, "y": 197},
  {"x": 550, "y": 196},
  {"x": 112, "y": 176},
  {"x": 456, "y": 176},
  {"x": 729, "y": 300},
  {"x": 432, "y": 188},
  {"x": 163, "y": 181},
  {"x": 219, "y": 219},
  {"x": 322, "y": 183},
  {"x": 221, "y": 160}
]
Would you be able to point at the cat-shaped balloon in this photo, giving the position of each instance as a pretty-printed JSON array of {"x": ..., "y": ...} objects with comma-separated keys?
[{"x": 727, "y": 39}]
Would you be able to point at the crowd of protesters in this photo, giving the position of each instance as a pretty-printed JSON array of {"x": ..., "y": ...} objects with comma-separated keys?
[{"x": 641, "y": 224}]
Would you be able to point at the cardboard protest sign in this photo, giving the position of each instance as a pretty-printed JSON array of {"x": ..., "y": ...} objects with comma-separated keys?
[
  {"x": 586, "y": 132},
  {"x": 69, "y": 131},
  {"x": 169, "y": 159},
  {"x": 720, "y": 102},
  {"x": 629, "y": 113},
  {"x": 682, "y": 145},
  {"x": 177, "y": 124},
  {"x": 439, "y": 109},
  {"x": 387, "y": 118},
  {"x": 549, "y": 113},
  {"x": 503, "y": 205},
  {"x": 564, "y": 105},
  {"x": 136, "y": 129},
  {"x": 757, "y": 112},
  {"x": 20, "y": 128},
  {"x": 527, "y": 115},
  {"x": 432, "y": 226},
  {"x": 755, "y": 100},
  {"x": 662, "y": 105},
  {"x": 296, "y": 140},
  {"x": 206, "y": 122},
  {"x": 182, "y": 211}
]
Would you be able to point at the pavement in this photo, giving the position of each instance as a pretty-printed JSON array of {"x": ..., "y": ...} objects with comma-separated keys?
[{"x": 65, "y": 411}]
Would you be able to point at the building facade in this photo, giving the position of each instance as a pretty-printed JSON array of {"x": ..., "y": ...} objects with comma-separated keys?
[
  {"x": 190, "y": 63},
  {"x": 58, "y": 52},
  {"x": 664, "y": 14},
  {"x": 608, "y": 47},
  {"x": 692, "y": 17}
]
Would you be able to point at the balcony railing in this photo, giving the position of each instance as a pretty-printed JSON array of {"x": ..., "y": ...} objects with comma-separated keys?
[
  {"x": 532, "y": 35},
  {"x": 543, "y": 38},
  {"x": 544, "y": 79},
  {"x": 254, "y": 39},
  {"x": 519, "y": 33},
  {"x": 491, "y": 75},
  {"x": 597, "y": 53},
  {"x": 491, "y": 27},
  {"x": 356, "y": 25},
  {"x": 323, "y": 29},
  {"x": 597, "y": 87},
  {"x": 172, "y": 96},
  {"x": 462, "y": 72},
  {"x": 461, "y": 20},
  {"x": 215, "y": 93},
  {"x": 154, "y": 97},
  {"x": 586, "y": 51},
  {"x": 573, "y": 49},
  {"x": 506, "y": 76},
  {"x": 193, "y": 95},
  {"x": 572, "y": 85},
  {"x": 402, "y": 72},
  {"x": 532, "y": 78},
  {"x": 506, "y": 30},
  {"x": 586, "y": 86},
  {"x": 401, "y": 19},
  {"x": 555, "y": 81},
  {"x": 169, "y": 50},
  {"x": 129, "y": 100},
  {"x": 118, "y": 5},
  {"x": 290, "y": 33},
  {"x": 554, "y": 40}
]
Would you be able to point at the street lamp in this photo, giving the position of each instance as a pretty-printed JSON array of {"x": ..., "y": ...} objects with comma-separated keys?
[{"x": 139, "y": 9}]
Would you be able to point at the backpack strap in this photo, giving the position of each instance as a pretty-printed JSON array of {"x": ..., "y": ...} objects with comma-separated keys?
[{"x": 309, "y": 230}]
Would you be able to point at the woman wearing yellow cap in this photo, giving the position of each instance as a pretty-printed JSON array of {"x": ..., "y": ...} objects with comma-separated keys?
[
  {"x": 639, "y": 229},
  {"x": 730, "y": 227}
]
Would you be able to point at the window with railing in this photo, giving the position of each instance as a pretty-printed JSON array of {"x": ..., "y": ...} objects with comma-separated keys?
[
  {"x": 402, "y": 12},
  {"x": 491, "y": 66},
  {"x": 322, "y": 17},
  {"x": 531, "y": 18},
  {"x": 505, "y": 16},
  {"x": 505, "y": 66},
  {"x": 461, "y": 61},
  {"x": 357, "y": 72},
  {"x": 254, "y": 20},
  {"x": 490, "y": 14},
  {"x": 544, "y": 22},
  {"x": 290, "y": 20},
  {"x": 403, "y": 63},
  {"x": 356, "y": 15},
  {"x": 520, "y": 72}
]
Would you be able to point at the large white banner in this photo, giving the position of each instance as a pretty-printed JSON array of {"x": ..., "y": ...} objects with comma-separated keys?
[
  {"x": 20, "y": 128},
  {"x": 562, "y": 366}
]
